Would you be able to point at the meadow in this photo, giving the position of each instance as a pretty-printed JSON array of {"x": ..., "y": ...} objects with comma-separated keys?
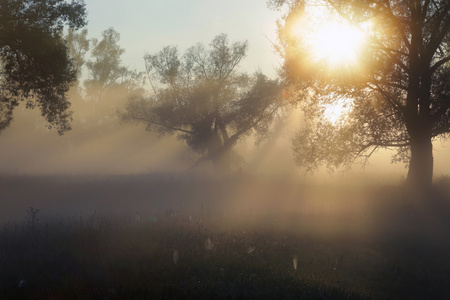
[{"x": 165, "y": 237}]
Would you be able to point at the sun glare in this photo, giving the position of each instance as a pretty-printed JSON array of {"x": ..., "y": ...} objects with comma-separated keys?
[
  {"x": 329, "y": 38},
  {"x": 337, "y": 43},
  {"x": 337, "y": 111}
]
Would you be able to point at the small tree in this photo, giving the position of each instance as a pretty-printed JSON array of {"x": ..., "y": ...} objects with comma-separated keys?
[
  {"x": 78, "y": 46},
  {"x": 109, "y": 83},
  {"x": 399, "y": 92},
  {"x": 34, "y": 63},
  {"x": 202, "y": 98},
  {"x": 105, "y": 69}
]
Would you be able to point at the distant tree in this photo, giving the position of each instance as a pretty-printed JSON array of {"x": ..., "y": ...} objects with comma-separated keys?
[
  {"x": 34, "y": 62},
  {"x": 202, "y": 98},
  {"x": 78, "y": 45},
  {"x": 109, "y": 83},
  {"x": 105, "y": 68},
  {"x": 400, "y": 90}
]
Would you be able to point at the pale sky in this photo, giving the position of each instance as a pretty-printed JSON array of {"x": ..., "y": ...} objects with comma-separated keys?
[{"x": 147, "y": 26}]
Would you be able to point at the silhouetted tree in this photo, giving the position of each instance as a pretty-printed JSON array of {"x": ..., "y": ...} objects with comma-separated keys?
[
  {"x": 201, "y": 97},
  {"x": 78, "y": 45},
  {"x": 400, "y": 90},
  {"x": 109, "y": 83},
  {"x": 105, "y": 69},
  {"x": 34, "y": 63}
]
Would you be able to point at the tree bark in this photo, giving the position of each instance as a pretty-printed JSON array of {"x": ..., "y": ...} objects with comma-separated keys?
[
  {"x": 222, "y": 162},
  {"x": 219, "y": 154},
  {"x": 420, "y": 173}
]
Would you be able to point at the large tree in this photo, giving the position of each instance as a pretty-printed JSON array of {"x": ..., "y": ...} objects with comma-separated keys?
[
  {"x": 202, "y": 98},
  {"x": 34, "y": 62},
  {"x": 398, "y": 94}
]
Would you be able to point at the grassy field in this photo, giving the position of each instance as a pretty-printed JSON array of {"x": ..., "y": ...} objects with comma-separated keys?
[{"x": 216, "y": 240}]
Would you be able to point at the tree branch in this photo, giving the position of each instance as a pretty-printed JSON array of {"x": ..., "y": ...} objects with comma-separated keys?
[
  {"x": 149, "y": 121},
  {"x": 439, "y": 63}
]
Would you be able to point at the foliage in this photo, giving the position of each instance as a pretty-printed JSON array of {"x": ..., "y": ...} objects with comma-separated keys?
[
  {"x": 34, "y": 62},
  {"x": 106, "y": 69},
  {"x": 32, "y": 217},
  {"x": 78, "y": 45},
  {"x": 109, "y": 83},
  {"x": 201, "y": 97},
  {"x": 399, "y": 89}
]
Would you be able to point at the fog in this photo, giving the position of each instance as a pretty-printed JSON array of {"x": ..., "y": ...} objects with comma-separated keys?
[
  {"x": 102, "y": 164},
  {"x": 99, "y": 143},
  {"x": 28, "y": 147},
  {"x": 135, "y": 199},
  {"x": 106, "y": 163}
]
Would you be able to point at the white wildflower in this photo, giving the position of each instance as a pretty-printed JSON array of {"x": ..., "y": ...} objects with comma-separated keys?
[{"x": 208, "y": 244}]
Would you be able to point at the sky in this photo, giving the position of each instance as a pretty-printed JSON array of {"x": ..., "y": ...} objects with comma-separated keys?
[{"x": 147, "y": 26}]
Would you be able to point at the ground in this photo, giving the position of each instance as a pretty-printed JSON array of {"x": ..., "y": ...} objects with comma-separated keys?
[{"x": 166, "y": 237}]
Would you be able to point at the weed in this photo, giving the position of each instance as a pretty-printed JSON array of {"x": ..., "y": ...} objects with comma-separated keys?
[{"x": 32, "y": 217}]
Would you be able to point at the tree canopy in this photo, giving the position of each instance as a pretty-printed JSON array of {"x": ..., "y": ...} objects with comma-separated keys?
[
  {"x": 397, "y": 94},
  {"x": 106, "y": 69},
  {"x": 108, "y": 82},
  {"x": 34, "y": 62},
  {"x": 202, "y": 98}
]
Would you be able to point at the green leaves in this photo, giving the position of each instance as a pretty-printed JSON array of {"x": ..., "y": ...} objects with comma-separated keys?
[{"x": 35, "y": 63}]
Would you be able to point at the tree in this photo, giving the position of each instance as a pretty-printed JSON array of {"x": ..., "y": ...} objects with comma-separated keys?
[
  {"x": 399, "y": 92},
  {"x": 109, "y": 83},
  {"x": 106, "y": 70},
  {"x": 34, "y": 63},
  {"x": 202, "y": 98},
  {"x": 78, "y": 46}
]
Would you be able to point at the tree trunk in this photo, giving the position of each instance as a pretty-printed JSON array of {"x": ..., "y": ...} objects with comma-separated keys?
[
  {"x": 420, "y": 173},
  {"x": 222, "y": 162}
]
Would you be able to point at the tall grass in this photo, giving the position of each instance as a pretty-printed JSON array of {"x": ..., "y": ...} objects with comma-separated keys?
[
  {"x": 123, "y": 258},
  {"x": 253, "y": 242}
]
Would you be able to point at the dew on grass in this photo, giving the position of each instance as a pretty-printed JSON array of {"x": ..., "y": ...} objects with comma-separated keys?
[
  {"x": 250, "y": 249},
  {"x": 209, "y": 244}
]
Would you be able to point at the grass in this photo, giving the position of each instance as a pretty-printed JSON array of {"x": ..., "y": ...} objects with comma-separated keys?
[{"x": 395, "y": 253}]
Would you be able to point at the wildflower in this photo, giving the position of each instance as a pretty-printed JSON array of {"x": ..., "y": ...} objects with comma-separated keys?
[{"x": 208, "y": 244}]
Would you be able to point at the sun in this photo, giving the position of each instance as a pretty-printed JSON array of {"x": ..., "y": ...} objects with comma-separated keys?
[
  {"x": 336, "y": 43},
  {"x": 330, "y": 39},
  {"x": 337, "y": 111}
]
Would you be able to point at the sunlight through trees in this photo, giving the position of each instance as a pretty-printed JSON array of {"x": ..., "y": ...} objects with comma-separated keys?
[{"x": 398, "y": 85}]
